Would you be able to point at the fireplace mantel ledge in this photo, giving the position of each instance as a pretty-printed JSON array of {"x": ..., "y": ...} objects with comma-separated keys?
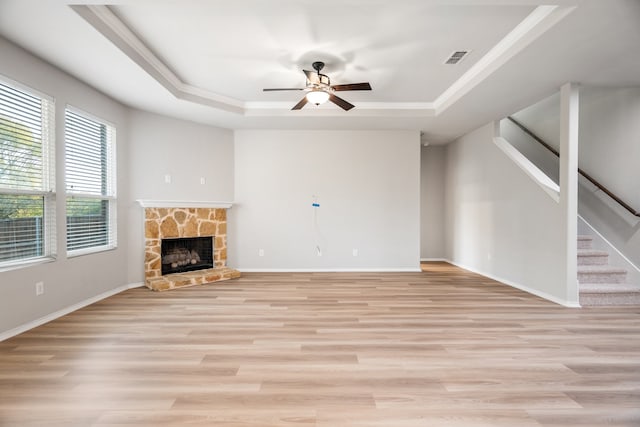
[{"x": 183, "y": 204}]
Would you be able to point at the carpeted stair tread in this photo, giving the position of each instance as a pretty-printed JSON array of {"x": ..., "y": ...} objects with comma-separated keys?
[
  {"x": 585, "y": 242},
  {"x": 592, "y": 257},
  {"x": 601, "y": 284},
  {"x": 609, "y": 288},
  {"x": 604, "y": 269},
  {"x": 601, "y": 274},
  {"x": 592, "y": 252},
  {"x": 609, "y": 294}
]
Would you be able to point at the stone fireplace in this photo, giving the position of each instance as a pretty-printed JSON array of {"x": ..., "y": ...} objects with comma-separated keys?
[{"x": 171, "y": 223}]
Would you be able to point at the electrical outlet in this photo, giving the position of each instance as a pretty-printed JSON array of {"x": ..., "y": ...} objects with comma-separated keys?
[
  {"x": 355, "y": 252},
  {"x": 39, "y": 288},
  {"x": 167, "y": 179},
  {"x": 260, "y": 252},
  {"x": 203, "y": 180}
]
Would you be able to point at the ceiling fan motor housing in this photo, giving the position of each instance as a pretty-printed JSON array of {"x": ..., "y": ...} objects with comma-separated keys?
[{"x": 323, "y": 79}]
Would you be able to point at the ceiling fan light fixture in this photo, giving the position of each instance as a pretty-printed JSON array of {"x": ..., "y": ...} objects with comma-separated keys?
[{"x": 317, "y": 96}]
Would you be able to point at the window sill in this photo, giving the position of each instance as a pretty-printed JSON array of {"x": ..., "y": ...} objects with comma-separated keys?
[
  {"x": 88, "y": 251},
  {"x": 15, "y": 265}
]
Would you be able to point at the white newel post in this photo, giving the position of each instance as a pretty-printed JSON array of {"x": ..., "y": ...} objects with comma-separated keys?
[{"x": 569, "y": 121}]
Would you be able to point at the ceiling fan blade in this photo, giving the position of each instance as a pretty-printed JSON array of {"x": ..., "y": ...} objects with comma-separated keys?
[
  {"x": 283, "y": 88},
  {"x": 352, "y": 86},
  {"x": 340, "y": 102},
  {"x": 300, "y": 104},
  {"x": 312, "y": 76}
]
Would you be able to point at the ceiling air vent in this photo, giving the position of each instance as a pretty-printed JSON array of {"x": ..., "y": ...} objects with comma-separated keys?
[{"x": 456, "y": 57}]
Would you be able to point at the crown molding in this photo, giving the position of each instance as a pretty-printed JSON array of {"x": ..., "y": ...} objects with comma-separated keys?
[{"x": 183, "y": 204}]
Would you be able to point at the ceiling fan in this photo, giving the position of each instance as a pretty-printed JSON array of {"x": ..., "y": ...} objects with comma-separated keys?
[{"x": 319, "y": 89}]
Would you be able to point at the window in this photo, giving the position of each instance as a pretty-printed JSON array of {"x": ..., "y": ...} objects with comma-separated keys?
[
  {"x": 27, "y": 175},
  {"x": 90, "y": 183}
]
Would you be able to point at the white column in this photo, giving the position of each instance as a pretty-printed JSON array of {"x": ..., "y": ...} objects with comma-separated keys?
[{"x": 569, "y": 110}]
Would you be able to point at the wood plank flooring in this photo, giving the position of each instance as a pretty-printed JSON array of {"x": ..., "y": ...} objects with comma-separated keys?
[{"x": 439, "y": 348}]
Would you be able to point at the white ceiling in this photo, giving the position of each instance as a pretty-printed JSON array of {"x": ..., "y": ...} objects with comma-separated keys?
[{"x": 208, "y": 61}]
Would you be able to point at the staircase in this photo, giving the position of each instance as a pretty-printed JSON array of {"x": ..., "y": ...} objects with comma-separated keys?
[{"x": 600, "y": 283}]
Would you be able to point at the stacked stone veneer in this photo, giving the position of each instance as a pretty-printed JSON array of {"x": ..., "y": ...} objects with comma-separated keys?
[{"x": 161, "y": 223}]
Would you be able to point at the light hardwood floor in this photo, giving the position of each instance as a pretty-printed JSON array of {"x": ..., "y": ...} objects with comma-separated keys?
[{"x": 440, "y": 348}]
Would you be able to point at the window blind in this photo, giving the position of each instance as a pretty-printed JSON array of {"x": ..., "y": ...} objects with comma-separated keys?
[
  {"x": 27, "y": 174},
  {"x": 90, "y": 182}
]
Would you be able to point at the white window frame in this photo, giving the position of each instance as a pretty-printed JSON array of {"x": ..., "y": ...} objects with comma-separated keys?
[
  {"x": 109, "y": 195},
  {"x": 47, "y": 189}
]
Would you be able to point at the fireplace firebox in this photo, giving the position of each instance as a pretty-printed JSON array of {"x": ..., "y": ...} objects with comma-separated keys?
[{"x": 184, "y": 254}]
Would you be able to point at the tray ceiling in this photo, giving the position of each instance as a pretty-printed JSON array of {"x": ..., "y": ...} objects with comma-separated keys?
[{"x": 208, "y": 61}]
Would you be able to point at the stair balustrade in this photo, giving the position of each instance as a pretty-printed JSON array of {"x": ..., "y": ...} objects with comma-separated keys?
[{"x": 580, "y": 171}]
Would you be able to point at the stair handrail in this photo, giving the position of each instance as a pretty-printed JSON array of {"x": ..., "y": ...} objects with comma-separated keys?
[{"x": 580, "y": 171}]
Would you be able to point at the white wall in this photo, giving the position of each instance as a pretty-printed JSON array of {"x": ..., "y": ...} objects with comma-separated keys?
[
  {"x": 543, "y": 118},
  {"x": 609, "y": 151},
  {"x": 498, "y": 221},
  {"x": 610, "y": 139},
  {"x": 432, "y": 197},
  {"x": 368, "y": 188},
  {"x": 548, "y": 112},
  {"x": 66, "y": 281},
  {"x": 187, "y": 152}
]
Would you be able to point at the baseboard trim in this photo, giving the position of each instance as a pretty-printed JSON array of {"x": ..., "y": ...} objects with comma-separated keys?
[
  {"x": 434, "y": 260},
  {"x": 527, "y": 289},
  {"x": 55, "y": 315},
  {"x": 329, "y": 270}
]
